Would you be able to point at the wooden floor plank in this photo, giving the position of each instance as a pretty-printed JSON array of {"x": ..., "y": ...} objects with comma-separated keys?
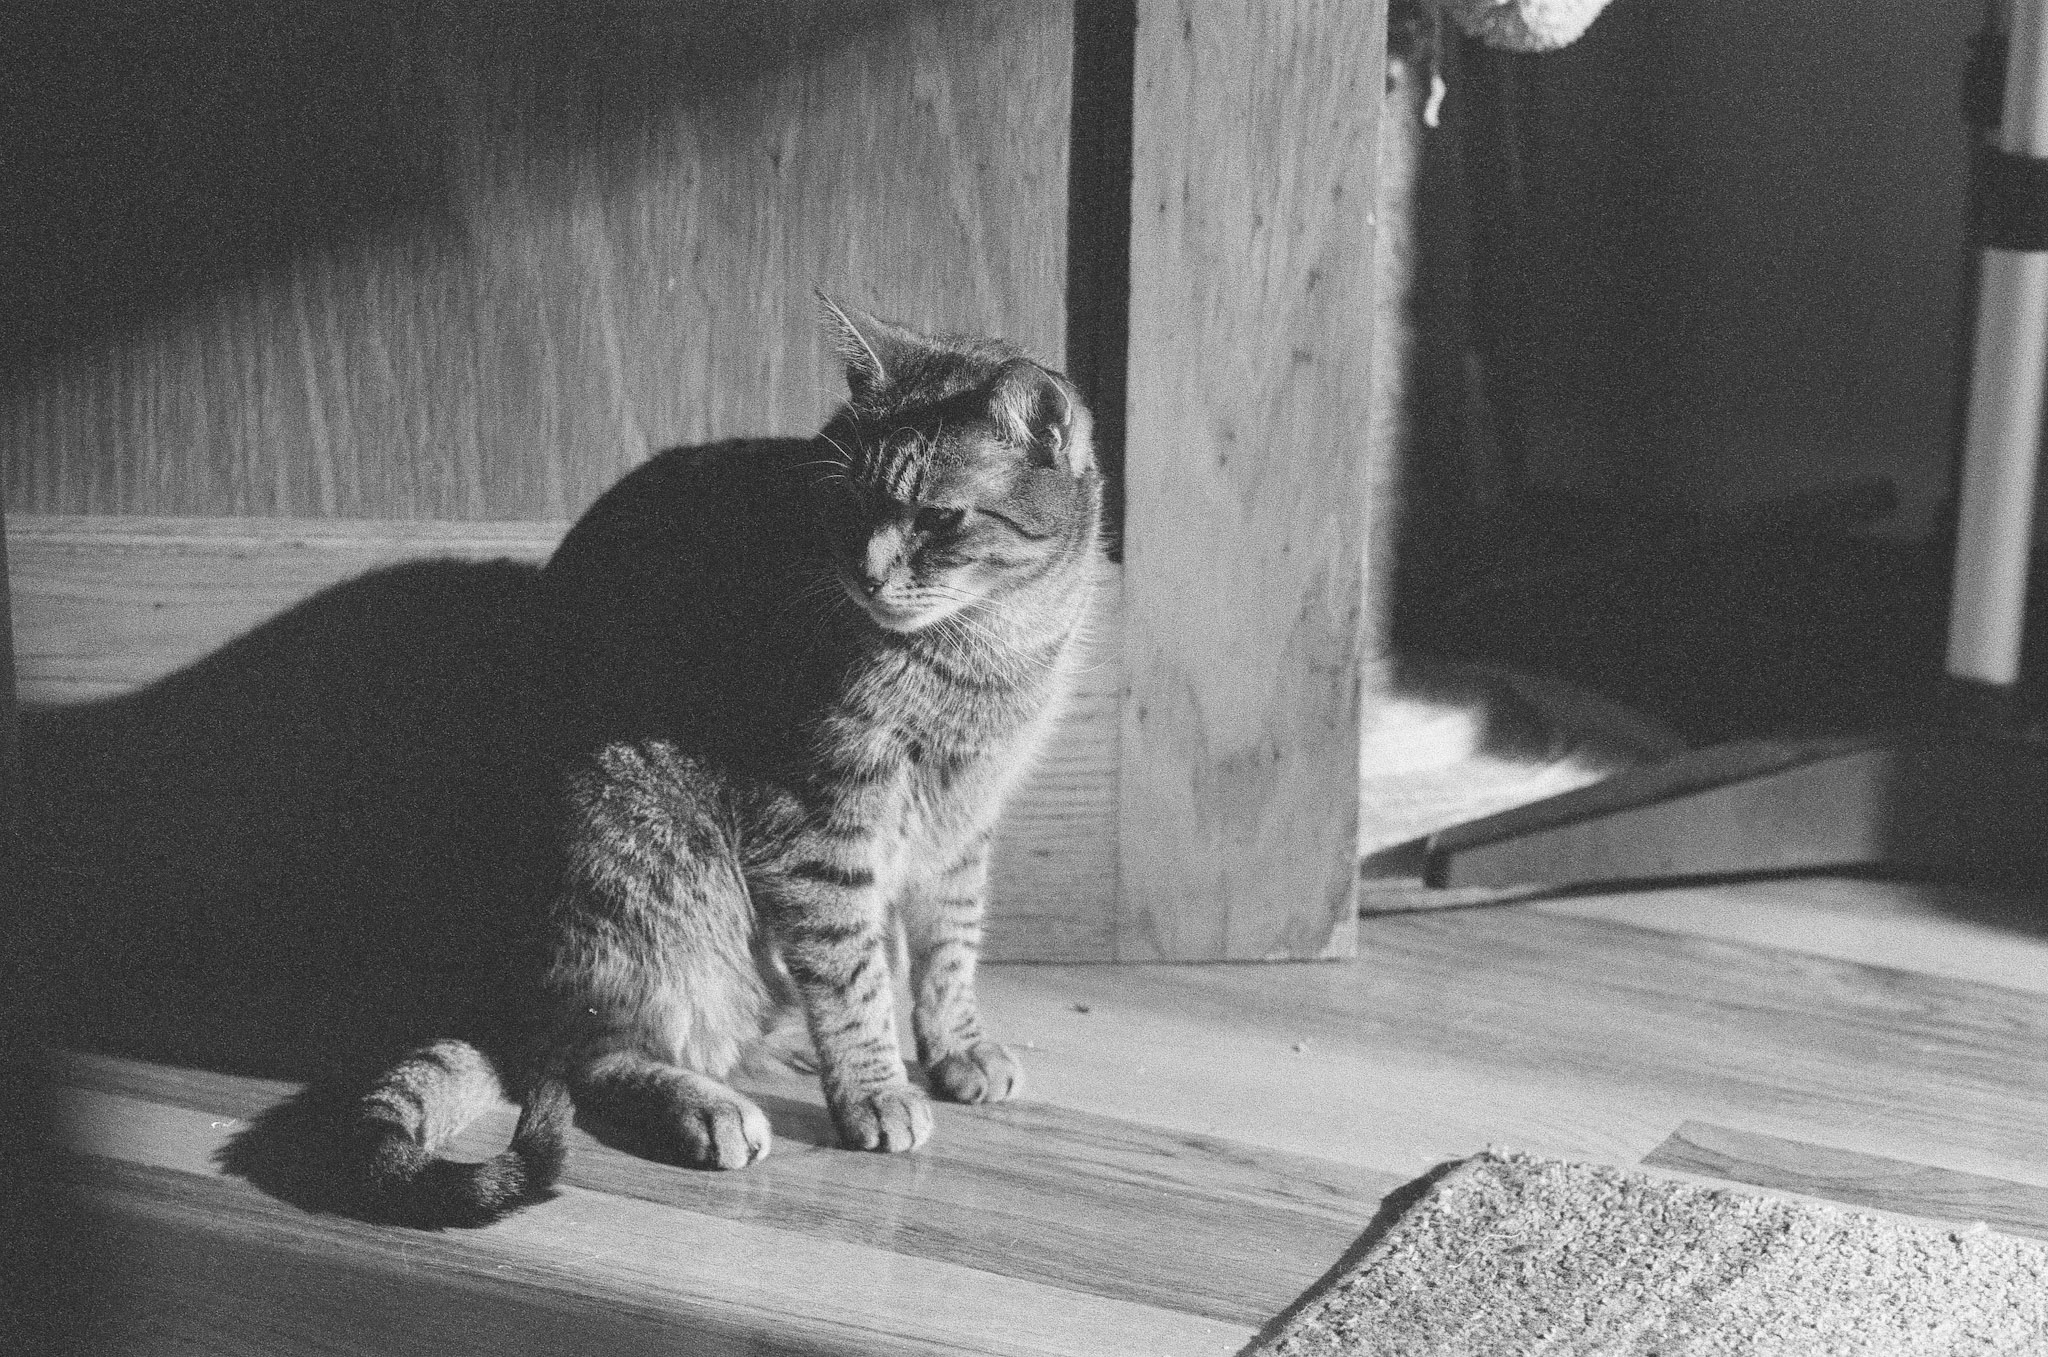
[
  {"x": 1069, "y": 1199},
  {"x": 1214, "y": 1051},
  {"x": 797, "y": 1285},
  {"x": 190, "y": 1266},
  {"x": 1992, "y": 938},
  {"x": 1867, "y": 1180},
  {"x": 1563, "y": 1035}
]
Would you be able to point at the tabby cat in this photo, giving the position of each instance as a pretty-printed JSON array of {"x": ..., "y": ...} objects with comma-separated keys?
[{"x": 793, "y": 682}]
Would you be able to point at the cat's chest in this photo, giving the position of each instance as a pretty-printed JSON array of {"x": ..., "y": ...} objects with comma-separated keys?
[
  {"x": 943, "y": 783},
  {"x": 956, "y": 762},
  {"x": 941, "y": 806}
]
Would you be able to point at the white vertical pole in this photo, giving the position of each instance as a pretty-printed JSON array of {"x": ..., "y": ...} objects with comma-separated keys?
[{"x": 2002, "y": 435}]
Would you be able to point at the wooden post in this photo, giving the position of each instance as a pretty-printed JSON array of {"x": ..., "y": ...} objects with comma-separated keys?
[{"x": 1255, "y": 148}]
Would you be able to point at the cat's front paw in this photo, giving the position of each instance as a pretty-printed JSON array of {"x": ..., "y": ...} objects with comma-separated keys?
[
  {"x": 729, "y": 1133},
  {"x": 890, "y": 1120},
  {"x": 984, "y": 1073}
]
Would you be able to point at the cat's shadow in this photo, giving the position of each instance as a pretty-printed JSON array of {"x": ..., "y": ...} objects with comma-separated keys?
[
  {"x": 292, "y": 855},
  {"x": 301, "y": 855}
]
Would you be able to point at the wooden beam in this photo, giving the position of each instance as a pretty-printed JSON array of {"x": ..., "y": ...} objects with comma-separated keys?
[{"x": 1255, "y": 146}]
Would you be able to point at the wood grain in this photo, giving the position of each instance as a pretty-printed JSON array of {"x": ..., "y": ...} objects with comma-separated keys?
[
  {"x": 1577, "y": 1038},
  {"x": 1036, "y": 1227},
  {"x": 195, "y": 1262},
  {"x": 473, "y": 261},
  {"x": 105, "y": 605},
  {"x": 1249, "y": 394},
  {"x": 1798, "y": 1037},
  {"x": 1897, "y": 1185},
  {"x": 1236, "y": 1231},
  {"x": 1997, "y": 938},
  {"x": 246, "y": 1275}
]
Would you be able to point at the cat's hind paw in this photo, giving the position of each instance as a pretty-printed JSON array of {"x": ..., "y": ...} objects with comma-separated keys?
[
  {"x": 984, "y": 1073},
  {"x": 888, "y": 1120}
]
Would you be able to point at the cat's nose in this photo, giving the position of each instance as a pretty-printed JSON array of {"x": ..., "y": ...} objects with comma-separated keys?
[{"x": 880, "y": 560}]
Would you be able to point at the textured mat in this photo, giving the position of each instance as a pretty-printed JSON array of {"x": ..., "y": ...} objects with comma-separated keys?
[{"x": 1508, "y": 1253}]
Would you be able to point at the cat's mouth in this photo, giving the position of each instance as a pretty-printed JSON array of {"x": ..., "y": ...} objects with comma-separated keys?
[{"x": 884, "y": 614}]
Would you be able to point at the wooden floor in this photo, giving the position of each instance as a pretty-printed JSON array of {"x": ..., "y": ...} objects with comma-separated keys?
[{"x": 1198, "y": 1145}]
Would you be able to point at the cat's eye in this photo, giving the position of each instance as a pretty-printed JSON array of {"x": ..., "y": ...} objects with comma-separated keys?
[
  {"x": 1013, "y": 525},
  {"x": 936, "y": 522}
]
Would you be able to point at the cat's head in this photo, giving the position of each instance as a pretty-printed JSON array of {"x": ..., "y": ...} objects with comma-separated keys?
[{"x": 958, "y": 476}]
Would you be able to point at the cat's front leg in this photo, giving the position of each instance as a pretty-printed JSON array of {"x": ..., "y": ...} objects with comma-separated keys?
[
  {"x": 829, "y": 916},
  {"x": 942, "y": 917}
]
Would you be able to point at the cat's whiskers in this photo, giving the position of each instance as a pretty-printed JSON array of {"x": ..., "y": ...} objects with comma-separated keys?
[
  {"x": 819, "y": 589},
  {"x": 982, "y": 644},
  {"x": 970, "y": 643},
  {"x": 1036, "y": 622},
  {"x": 815, "y": 598},
  {"x": 841, "y": 466},
  {"x": 1014, "y": 635}
]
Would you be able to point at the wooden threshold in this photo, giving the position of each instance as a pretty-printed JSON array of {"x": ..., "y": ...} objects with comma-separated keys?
[{"x": 1950, "y": 802}]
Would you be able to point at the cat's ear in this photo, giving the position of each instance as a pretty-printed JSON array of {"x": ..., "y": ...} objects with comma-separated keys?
[
  {"x": 869, "y": 347},
  {"x": 1041, "y": 413}
]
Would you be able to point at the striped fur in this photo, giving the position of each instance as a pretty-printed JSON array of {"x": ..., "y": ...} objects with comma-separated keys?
[
  {"x": 796, "y": 681},
  {"x": 420, "y": 1103}
]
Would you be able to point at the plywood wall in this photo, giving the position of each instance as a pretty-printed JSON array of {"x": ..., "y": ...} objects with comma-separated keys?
[
  {"x": 472, "y": 261},
  {"x": 404, "y": 263}
]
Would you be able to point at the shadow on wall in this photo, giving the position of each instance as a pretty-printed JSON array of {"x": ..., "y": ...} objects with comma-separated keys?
[
  {"x": 305, "y": 849},
  {"x": 288, "y": 860},
  {"x": 471, "y": 261}
]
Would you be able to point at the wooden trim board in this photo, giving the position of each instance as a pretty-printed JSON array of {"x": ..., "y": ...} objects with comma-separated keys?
[{"x": 105, "y": 604}]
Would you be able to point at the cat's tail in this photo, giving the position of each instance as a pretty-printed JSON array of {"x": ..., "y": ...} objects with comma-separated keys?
[{"x": 417, "y": 1105}]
